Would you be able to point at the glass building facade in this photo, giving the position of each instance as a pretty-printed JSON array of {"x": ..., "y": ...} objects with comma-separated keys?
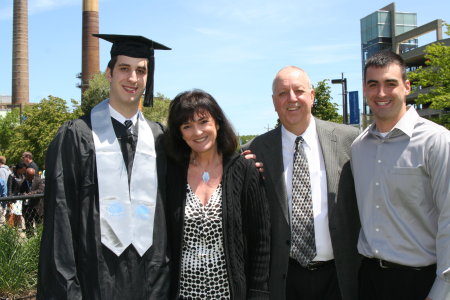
[{"x": 377, "y": 31}]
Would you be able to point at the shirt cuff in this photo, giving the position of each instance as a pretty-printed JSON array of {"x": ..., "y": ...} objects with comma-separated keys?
[{"x": 440, "y": 290}]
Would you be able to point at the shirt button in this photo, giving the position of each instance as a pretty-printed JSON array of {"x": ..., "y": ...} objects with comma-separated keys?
[
  {"x": 377, "y": 206},
  {"x": 377, "y": 183},
  {"x": 379, "y": 161},
  {"x": 377, "y": 229}
]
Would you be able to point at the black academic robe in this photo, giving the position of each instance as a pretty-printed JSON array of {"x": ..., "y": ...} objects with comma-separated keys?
[{"x": 73, "y": 262}]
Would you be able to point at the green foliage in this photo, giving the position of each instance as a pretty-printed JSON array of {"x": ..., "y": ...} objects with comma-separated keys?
[
  {"x": 98, "y": 91},
  {"x": 435, "y": 76},
  {"x": 160, "y": 110},
  {"x": 323, "y": 108},
  {"x": 8, "y": 124},
  {"x": 18, "y": 262},
  {"x": 246, "y": 138},
  {"x": 39, "y": 126},
  {"x": 443, "y": 120}
]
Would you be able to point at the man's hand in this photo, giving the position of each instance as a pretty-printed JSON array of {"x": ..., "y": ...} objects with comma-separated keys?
[{"x": 249, "y": 155}]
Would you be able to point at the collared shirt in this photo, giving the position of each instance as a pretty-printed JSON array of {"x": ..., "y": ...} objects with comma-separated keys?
[
  {"x": 119, "y": 117},
  {"x": 318, "y": 178},
  {"x": 402, "y": 186}
]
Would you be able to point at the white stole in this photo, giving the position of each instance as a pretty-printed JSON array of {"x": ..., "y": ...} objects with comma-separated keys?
[{"x": 127, "y": 212}]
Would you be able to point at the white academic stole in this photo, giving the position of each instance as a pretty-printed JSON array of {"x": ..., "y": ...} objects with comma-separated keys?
[{"x": 127, "y": 212}]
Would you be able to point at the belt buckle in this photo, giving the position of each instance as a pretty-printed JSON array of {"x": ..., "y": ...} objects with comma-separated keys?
[{"x": 313, "y": 265}]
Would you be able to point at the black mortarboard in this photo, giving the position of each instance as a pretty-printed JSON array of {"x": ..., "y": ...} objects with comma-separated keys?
[{"x": 139, "y": 47}]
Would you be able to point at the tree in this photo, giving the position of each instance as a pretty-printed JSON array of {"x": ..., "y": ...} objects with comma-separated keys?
[
  {"x": 159, "y": 111},
  {"x": 435, "y": 76},
  {"x": 97, "y": 91},
  {"x": 8, "y": 124},
  {"x": 39, "y": 126},
  {"x": 244, "y": 139},
  {"x": 323, "y": 108}
]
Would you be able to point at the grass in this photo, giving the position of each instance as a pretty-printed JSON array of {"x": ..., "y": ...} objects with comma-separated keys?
[{"x": 18, "y": 262}]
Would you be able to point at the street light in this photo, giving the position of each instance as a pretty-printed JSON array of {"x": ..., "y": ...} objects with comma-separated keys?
[{"x": 343, "y": 82}]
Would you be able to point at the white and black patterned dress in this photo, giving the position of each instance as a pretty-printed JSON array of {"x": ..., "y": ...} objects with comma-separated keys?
[{"x": 203, "y": 268}]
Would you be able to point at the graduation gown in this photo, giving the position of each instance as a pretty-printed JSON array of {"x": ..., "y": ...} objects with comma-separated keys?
[{"x": 73, "y": 262}]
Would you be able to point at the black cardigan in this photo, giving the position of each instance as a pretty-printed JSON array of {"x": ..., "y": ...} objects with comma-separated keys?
[{"x": 246, "y": 227}]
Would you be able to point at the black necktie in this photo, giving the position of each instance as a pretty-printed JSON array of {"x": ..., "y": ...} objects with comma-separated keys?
[
  {"x": 303, "y": 247},
  {"x": 128, "y": 124}
]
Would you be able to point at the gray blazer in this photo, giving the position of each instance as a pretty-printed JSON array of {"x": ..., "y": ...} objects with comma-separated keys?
[{"x": 335, "y": 140}]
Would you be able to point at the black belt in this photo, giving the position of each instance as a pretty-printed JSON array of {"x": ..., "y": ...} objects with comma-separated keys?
[
  {"x": 390, "y": 265},
  {"x": 315, "y": 265}
]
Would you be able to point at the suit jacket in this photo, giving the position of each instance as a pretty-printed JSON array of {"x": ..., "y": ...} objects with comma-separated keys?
[
  {"x": 36, "y": 187},
  {"x": 335, "y": 141}
]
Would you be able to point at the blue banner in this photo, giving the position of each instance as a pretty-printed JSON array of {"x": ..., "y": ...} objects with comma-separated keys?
[{"x": 354, "y": 107}]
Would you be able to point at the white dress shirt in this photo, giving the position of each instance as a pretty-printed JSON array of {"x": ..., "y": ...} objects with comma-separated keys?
[
  {"x": 119, "y": 117},
  {"x": 318, "y": 178}
]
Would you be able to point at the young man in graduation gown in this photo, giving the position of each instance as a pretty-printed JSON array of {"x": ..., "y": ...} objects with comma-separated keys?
[{"x": 104, "y": 227}]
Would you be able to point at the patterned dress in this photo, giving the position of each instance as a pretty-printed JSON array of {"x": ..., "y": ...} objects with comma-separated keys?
[{"x": 203, "y": 267}]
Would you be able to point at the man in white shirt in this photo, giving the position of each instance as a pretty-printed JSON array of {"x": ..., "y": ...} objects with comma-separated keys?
[{"x": 310, "y": 189}]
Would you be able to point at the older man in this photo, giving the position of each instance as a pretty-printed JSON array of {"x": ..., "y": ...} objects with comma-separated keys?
[
  {"x": 310, "y": 189},
  {"x": 402, "y": 171},
  {"x": 31, "y": 208},
  {"x": 27, "y": 158}
]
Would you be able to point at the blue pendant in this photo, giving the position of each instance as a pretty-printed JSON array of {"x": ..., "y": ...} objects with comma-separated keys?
[{"x": 205, "y": 177}]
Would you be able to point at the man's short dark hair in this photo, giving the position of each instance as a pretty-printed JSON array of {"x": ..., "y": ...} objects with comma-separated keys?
[
  {"x": 383, "y": 59},
  {"x": 20, "y": 165},
  {"x": 183, "y": 109},
  {"x": 112, "y": 63}
]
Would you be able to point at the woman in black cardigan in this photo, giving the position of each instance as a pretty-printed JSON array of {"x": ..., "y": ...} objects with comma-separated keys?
[{"x": 218, "y": 217}]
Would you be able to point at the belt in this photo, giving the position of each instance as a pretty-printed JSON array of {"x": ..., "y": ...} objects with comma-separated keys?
[
  {"x": 390, "y": 265},
  {"x": 314, "y": 265}
]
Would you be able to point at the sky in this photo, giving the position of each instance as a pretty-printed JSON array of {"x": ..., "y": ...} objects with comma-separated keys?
[{"x": 230, "y": 48}]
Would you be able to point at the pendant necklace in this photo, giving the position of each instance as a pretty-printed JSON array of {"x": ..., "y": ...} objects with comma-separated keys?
[{"x": 205, "y": 176}]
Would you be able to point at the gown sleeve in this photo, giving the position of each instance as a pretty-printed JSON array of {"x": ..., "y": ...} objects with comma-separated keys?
[{"x": 57, "y": 277}]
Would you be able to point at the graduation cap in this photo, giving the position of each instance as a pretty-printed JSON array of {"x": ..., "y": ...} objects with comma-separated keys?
[{"x": 139, "y": 47}]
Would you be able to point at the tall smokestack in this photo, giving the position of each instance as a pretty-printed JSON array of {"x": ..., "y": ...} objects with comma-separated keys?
[
  {"x": 90, "y": 56},
  {"x": 20, "y": 81}
]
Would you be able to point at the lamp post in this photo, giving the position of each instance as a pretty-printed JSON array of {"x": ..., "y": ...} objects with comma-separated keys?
[{"x": 343, "y": 83}]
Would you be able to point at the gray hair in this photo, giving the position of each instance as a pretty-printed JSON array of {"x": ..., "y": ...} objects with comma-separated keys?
[{"x": 294, "y": 68}]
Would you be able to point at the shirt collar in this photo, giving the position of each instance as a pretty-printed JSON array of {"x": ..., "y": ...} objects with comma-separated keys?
[
  {"x": 308, "y": 136},
  {"x": 405, "y": 124},
  {"x": 119, "y": 117},
  {"x": 408, "y": 121}
]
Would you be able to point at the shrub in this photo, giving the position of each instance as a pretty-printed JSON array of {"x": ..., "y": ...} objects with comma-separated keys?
[{"x": 18, "y": 262}]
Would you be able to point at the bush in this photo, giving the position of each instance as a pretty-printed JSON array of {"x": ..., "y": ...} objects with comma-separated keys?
[{"x": 18, "y": 262}]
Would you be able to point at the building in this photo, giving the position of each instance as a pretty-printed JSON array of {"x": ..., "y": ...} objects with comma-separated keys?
[
  {"x": 5, "y": 104},
  {"x": 387, "y": 28}
]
